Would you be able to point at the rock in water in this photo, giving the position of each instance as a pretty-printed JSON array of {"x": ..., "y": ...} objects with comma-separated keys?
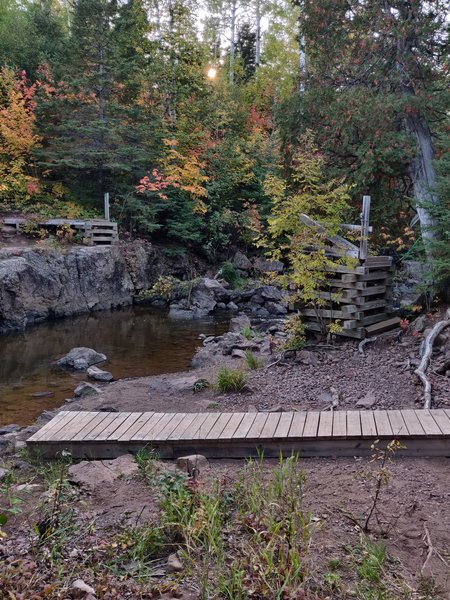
[
  {"x": 81, "y": 358},
  {"x": 99, "y": 375}
]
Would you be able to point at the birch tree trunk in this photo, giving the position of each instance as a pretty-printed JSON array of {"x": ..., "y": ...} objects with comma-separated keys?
[
  {"x": 232, "y": 38},
  {"x": 258, "y": 34}
]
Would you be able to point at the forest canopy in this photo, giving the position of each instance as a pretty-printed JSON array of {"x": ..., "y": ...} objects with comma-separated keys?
[{"x": 183, "y": 110}]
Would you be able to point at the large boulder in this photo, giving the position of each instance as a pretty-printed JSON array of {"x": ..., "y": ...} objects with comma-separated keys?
[
  {"x": 81, "y": 358},
  {"x": 270, "y": 292},
  {"x": 241, "y": 262},
  {"x": 261, "y": 265},
  {"x": 409, "y": 283}
]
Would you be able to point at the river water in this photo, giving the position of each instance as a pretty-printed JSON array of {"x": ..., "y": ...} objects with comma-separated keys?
[{"x": 138, "y": 341}]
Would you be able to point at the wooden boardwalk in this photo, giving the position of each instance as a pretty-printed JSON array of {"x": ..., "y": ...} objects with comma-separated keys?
[{"x": 237, "y": 435}]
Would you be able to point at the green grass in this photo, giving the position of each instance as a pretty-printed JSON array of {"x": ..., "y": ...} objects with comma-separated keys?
[
  {"x": 253, "y": 362},
  {"x": 229, "y": 380}
]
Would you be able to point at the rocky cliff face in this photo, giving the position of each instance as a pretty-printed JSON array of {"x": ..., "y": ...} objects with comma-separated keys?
[{"x": 37, "y": 284}]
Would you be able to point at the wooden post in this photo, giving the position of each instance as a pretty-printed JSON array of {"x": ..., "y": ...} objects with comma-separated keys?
[
  {"x": 365, "y": 214},
  {"x": 106, "y": 199}
]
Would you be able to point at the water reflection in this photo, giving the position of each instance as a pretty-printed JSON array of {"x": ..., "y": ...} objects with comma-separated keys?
[{"x": 137, "y": 341}]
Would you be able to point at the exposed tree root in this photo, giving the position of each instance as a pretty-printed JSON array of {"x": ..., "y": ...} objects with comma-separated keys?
[{"x": 426, "y": 352}]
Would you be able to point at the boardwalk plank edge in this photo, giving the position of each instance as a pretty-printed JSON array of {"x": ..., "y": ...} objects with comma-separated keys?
[{"x": 305, "y": 444}]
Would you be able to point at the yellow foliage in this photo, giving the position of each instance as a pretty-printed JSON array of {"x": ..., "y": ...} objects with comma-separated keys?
[{"x": 287, "y": 238}]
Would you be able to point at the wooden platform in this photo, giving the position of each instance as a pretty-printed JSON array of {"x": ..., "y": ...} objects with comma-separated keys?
[
  {"x": 95, "y": 232},
  {"x": 237, "y": 435}
]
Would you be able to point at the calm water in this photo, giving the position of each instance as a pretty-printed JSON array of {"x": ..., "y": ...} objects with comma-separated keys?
[{"x": 138, "y": 341}]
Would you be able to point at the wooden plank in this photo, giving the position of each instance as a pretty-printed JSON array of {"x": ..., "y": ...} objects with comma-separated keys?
[
  {"x": 297, "y": 425},
  {"x": 135, "y": 427},
  {"x": 58, "y": 421},
  {"x": 151, "y": 426},
  {"x": 412, "y": 422},
  {"x": 96, "y": 428},
  {"x": 257, "y": 426},
  {"x": 325, "y": 424},
  {"x": 71, "y": 429},
  {"x": 219, "y": 426},
  {"x": 368, "y": 427},
  {"x": 378, "y": 261},
  {"x": 428, "y": 423},
  {"x": 364, "y": 242},
  {"x": 192, "y": 432},
  {"x": 349, "y": 248},
  {"x": 443, "y": 420},
  {"x": 164, "y": 429},
  {"x": 129, "y": 421},
  {"x": 339, "y": 424},
  {"x": 178, "y": 431},
  {"x": 311, "y": 425},
  {"x": 372, "y": 276},
  {"x": 382, "y": 326},
  {"x": 231, "y": 426},
  {"x": 382, "y": 423},
  {"x": 328, "y": 314},
  {"x": 364, "y": 322},
  {"x": 206, "y": 426},
  {"x": 397, "y": 423},
  {"x": 353, "y": 423},
  {"x": 284, "y": 425},
  {"x": 244, "y": 426},
  {"x": 270, "y": 425},
  {"x": 113, "y": 426},
  {"x": 373, "y": 290}
]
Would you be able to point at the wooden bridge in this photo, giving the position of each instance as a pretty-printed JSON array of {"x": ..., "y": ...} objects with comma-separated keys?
[
  {"x": 94, "y": 232},
  {"x": 98, "y": 435}
]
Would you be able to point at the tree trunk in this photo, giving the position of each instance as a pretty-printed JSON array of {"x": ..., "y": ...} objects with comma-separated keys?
[
  {"x": 258, "y": 34},
  {"x": 232, "y": 39},
  {"x": 423, "y": 176}
]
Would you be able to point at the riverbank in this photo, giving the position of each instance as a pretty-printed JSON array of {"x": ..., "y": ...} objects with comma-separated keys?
[{"x": 105, "y": 534}]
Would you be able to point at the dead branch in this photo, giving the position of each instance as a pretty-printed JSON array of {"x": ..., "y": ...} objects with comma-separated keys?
[
  {"x": 429, "y": 545},
  {"x": 366, "y": 341},
  {"x": 426, "y": 352}
]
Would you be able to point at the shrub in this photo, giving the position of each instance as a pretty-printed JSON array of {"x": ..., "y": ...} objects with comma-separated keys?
[
  {"x": 229, "y": 380},
  {"x": 230, "y": 274},
  {"x": 296, "y": 331},
  {"x": 247, "y": 332}
]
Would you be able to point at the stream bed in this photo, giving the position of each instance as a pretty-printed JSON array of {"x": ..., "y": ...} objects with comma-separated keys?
[{"x": 138, "y": 341}]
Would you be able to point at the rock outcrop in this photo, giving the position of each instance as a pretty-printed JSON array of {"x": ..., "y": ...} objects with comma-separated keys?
[{"x": 38, "y": 284}]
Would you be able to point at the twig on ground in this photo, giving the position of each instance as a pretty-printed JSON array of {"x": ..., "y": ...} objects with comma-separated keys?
[
  {"x": 426, "y": 352},
  {"x": 429, "y": 544}
]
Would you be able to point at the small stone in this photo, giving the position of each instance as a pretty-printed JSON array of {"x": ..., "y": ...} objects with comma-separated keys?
[
  {"x": 3, "y": 473},
  {"x": 174, "y": 564},
  {"x": 236, "y": 353},
  {"x": 20, "y": 445},
  {"x": 42, "y": 394},
  {"x": 85, "y": 389},
  {"x": 306, "y": 357},
  {"x": 368, "y": 401},
  {"x": 277, "y": 408},
  {"x": 99, "y": 375},
  {"x": 252, "y": 408},
  {"x": 28, "y": 488},
  {"x": 232, "y": 306},
  {"x": 208, "y": 340},
  {"x": 192, "y": 464},
  {"x": 81, "y": 588}
]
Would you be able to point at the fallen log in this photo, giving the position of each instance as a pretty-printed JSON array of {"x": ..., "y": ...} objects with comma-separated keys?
[{"x": 426, "y": 351}]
